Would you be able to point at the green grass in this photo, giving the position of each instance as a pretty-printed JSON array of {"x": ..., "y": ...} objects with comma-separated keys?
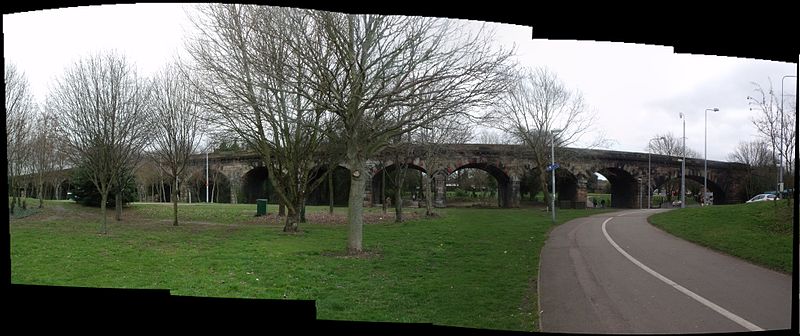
[
  {"x": 469, "y": 267},
  {"x": 598, "y": 197},
  {"x": 758, "y": 232},
  {"x": 32, "y": 208}
]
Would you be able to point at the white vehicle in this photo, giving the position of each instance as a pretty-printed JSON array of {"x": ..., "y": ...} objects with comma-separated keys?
[{"x": 763, "y": 197}]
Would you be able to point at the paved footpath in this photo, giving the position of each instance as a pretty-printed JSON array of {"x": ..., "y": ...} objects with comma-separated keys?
[{"x": 616, "y": 273}]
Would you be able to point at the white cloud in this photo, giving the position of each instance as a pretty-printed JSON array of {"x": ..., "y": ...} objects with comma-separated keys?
[{"x": 637, "y": 90}]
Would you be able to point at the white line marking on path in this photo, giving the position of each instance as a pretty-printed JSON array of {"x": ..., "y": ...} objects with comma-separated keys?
[{"x": 733, "y": 317}]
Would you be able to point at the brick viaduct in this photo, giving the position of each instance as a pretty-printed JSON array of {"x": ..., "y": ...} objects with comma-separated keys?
[{"x": 508, "y": 163}]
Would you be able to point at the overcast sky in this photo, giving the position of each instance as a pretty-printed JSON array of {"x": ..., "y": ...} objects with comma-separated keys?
[{"x": 636, "y": 90}]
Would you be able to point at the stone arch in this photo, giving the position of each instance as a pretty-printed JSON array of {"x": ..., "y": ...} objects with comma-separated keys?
[
  {"x": 570, "y": 183},
  {"x": 694, "y": 181},
  {"x": 255, "y": 184},
  {"x": 624, "y": 186},
  {"x": 507, "y": 185},
  {"x": 379, "y": 184},
  {"x": 341, "y": 187},
  {"x": 219, "y": 187}
]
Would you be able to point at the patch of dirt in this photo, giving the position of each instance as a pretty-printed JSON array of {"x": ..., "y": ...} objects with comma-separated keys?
[
  {"x": 325, "y": 218},
  {"x": 369, "y": 217},
  {"x": 364, "y": 254},
  {"x": 530, "y": 301}
]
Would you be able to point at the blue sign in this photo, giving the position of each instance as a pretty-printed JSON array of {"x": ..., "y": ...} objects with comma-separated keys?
[{"x": 552, "y": 166}]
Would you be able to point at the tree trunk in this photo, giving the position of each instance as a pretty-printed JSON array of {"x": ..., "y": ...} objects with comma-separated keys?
[
  {"x": 330, "y": 191},
  {"x": 400, "y": 175},
  {"x": 543, "y": 175},
  {"x": 24, "y": 197},
  {"x": 294, "y": 217},
  {"x": 355, "y": 207},
  {"x": 383, "y": 191},
  {"x": 12, "y": 194},
  {"x": 398, "y": 205},
  {"x": 175, "y": 205},
  {"x": 281, "y": 209},
  {"x": 302, "y": 211},
  {"x": 41, "y": 195},
  {"x": 118, "y": 205},
  {"x": 426, "y": 181},
  {"x": 103, "y": 200},
  {"x": 291, "y": 222}
]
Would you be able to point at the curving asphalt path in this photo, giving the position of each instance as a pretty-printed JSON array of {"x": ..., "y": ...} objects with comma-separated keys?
[{"x": 651, "y": 282}]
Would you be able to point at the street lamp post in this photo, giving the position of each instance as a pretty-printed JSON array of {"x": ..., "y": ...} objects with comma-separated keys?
[
  {"x": 649, "y": 178},
  {"x": 640, "y": 193},
  {"x": 206, "y": 175},
  {"x": 553, "y": 170},
  {"x": 780, "y": 181},
  {"x": 705, "y": 156},
  {"x": 683, "y": 165}
]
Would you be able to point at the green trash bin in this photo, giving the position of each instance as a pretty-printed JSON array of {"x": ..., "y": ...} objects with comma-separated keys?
[{"x": 261, "y": 207}]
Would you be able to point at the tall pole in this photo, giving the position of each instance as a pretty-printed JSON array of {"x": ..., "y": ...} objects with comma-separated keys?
[
  {"x": 780, "y": 178},
  {"x": 553, "y": 176},
  {"x": 553, "y": 171},
  {"x": 206, "y": 175},
  {"x": 683, "y": 165},
  {"x": 649, "y": 177},
  {"x": 640, "y": 193},
  {"x": 705, "y": 157}
]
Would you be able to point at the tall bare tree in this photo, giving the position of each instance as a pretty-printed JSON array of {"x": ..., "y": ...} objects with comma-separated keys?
[
  {"x": 176, "y": 122},
  {"x": 538, "y": 105},
  {"x": 497, "y": 137},
  {"x": 59, "y": 164},
  {"x": 774, "y": 126},
  {"x": 103, "y": 108},
  {"x": 758, "y": 158},
  {"x": 43, "y": 150},
  {"x": 383, "y": 76},
  {"x": 20, "y": 110},
  {"x": 252, "y": 81},
  {"x": 432, "y": 138},
  {"x": 671, "y": 145},
  {"x": 402, "y": 151}
]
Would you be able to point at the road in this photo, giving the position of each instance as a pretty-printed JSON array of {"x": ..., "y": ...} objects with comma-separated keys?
[{"x": 651, "y": 282}]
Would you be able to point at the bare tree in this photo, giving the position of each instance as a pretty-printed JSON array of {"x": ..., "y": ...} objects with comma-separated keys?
[
  {"x": 20, "y": 109},
  {"x": 768, "y": 122},
  {"x": 493, "y": 137},
  {"x": 383, "y": 76},
  {"x": 670, "y": 145},
  {"x": 59, "y": 166},
  {"x": 103, "y": 109},
  {"x": 176, "y": 127},
  {"x": 43, "y": 150},
  {"x": 252, "y": 82},
  {"x": 773, "y": 125},
  {"x": 539, "y": 105},
  {"x": 758, "y": 158},
  {"x": 402, "y": 151},
  {"x": 432, "y": 138}
]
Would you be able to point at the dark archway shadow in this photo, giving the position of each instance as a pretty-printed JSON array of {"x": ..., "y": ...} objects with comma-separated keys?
[
  {"x": 341, "y": 187},
  {"x": 500, "y": 177},
  {"x": 383, "y": 184},
  {"x": 219, "y": 187},
  {"x": 624, "y": 187},
  {"x": 256, "y": 185}
]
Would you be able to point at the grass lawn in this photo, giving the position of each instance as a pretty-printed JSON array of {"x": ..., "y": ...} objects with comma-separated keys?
[
  {"x": 759, "y": 232},
  {"x": 469, "y": 267},
  {"x": 599, "y": 197}
]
